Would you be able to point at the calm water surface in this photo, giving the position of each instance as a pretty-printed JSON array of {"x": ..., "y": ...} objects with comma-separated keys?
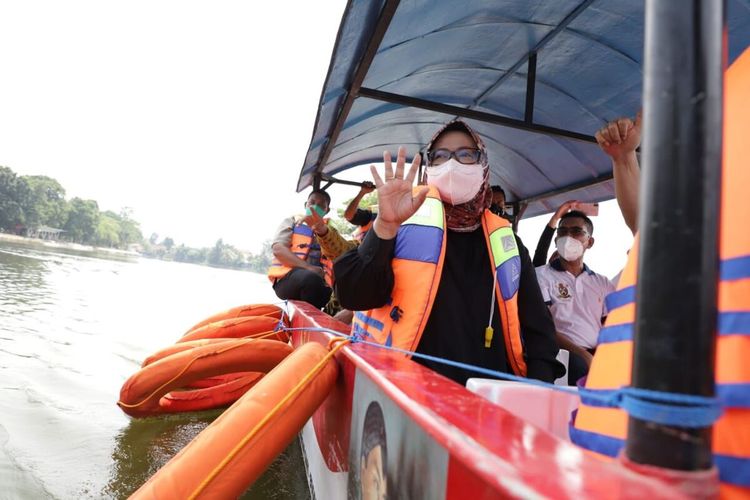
[{"x": 73, "y": 328}]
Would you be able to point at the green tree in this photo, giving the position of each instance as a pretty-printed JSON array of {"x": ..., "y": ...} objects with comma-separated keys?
[
  {"x": 224, "y": 255},
  {"x": 48, "y": 204},
  {"x": 15, "y": 199},
  {"x": 181, "y": 253},
  {"x": 83, "y": 220},
  {"x": 168, "y": 243},
  {"x": 341, "y": 224},
  {"x": 107, "y": 231},
  {"x": 369, "y": 200},
  {"x": 214, "y": 256},
  {"x": 129, "y": 231},
  {"x": 260, "y": 262},
  {"x": 192, "y": 255}
]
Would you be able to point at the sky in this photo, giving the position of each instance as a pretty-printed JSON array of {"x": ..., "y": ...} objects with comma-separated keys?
[{"x": 196, "y": 115}]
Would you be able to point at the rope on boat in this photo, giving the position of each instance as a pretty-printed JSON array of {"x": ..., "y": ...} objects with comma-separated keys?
[
  {"x": 667, "y": 408},
  {"x": 335, "y": 345}
]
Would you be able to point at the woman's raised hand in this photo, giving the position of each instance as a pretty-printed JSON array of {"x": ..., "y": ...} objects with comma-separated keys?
[{"x": 396, "y": 199}]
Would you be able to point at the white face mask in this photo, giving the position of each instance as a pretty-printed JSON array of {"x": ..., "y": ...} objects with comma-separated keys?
[
  {"x": 569, "y": 248},
  {"x": 456, "y": 182}
]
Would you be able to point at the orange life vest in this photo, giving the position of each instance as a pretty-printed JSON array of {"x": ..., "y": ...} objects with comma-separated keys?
[
  {"x": 417, "y": 267},
  {"x": 302, "y": 239},
  {"x": 603, "y": 429}
]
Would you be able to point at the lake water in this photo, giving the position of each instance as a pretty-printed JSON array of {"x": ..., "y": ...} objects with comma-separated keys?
[{"x": 73, "y": 328}]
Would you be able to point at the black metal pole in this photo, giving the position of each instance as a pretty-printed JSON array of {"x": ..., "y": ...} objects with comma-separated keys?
[
  {"x": 679, "y": 218},
  {"x": 528, "y": 116}
]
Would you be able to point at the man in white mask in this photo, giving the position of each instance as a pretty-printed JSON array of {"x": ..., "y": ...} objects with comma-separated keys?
[{"x": 574, "y": 293}]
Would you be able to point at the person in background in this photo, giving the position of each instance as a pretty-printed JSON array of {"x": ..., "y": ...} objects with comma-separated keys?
[
  {"x": 542, "y": 246},
  {"x": 574, "y": 293},
  {"x": 358, "y": 216},
  {"x": 498, "y": 201},
  {"x": 498, "y": 204},
  {"x": 429, "y": 278},
  {"x": 299, "y": 270},
  {"x": 332, "y": 245},
  {"x": 620, "y": 140}
]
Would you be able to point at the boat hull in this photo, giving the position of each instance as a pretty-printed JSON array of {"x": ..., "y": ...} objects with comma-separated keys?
[{"x": 440, "y": 440}]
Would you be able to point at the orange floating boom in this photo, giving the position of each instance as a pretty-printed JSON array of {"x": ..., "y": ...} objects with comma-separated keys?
[
  {"x": 231, "y": 453},
  {"x": 182, "y": 346},
  {"x": 266, "y": 310},
  {"x": 255, "y": 326},
  {"x": 140, "y": 395},
  {"x": 221, "y": 394}
]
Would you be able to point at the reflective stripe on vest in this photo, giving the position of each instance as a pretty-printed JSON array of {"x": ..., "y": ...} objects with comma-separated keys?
[
  {"x": 603, "y": 429},
  {"x": 302, "y": 238},
  {"x": 501, "y": 243},
  {"x": 417, "y": 267}
]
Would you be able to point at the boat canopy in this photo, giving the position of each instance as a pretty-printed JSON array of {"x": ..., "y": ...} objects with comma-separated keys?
[{"x": 535, "y": 78}]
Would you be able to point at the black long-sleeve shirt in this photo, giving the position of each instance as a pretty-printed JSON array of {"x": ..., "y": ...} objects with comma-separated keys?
[
  {"x": 542, "y": 247},
  {"x": 461, "y": 311}
]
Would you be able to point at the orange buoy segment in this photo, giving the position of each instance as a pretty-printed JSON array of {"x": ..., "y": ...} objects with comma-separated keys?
[
  {"x": 182, "y": 346},
  {"x": 205, "y": 398},
  {"x": 231, "y": 453},
  {"x": 140, "y": 395},
  {"x": 217, "y": 380},
  {"x": 268, "y": 310},
  {"x": 250, "y": 326}
]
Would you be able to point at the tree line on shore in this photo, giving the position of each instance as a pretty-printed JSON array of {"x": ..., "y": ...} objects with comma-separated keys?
[
  {"x": 33, "y": 204},
  {"x": 220, "y": 255}
]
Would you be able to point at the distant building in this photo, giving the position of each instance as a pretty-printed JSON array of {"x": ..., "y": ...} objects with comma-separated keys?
[{"x": 41, "y": 232}]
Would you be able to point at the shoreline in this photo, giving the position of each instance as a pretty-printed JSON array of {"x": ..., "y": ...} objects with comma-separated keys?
[
  {"x": 12, "y": 238},
  {"x": 110, "y": 252}
]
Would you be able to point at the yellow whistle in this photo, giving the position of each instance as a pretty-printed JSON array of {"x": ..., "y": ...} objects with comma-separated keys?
[{"x": 488, "y": 332}]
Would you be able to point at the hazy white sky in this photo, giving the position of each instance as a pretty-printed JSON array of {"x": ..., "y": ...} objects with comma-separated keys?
[{"x": 195, "y": 114}]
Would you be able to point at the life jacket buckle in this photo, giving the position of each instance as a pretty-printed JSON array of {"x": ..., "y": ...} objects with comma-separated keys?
[{"x": 396, "y": 313}]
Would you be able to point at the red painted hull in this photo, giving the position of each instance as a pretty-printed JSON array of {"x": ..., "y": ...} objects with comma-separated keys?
[{"x": 442, "y": 440}]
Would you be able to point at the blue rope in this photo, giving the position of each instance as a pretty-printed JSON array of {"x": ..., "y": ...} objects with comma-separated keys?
[
  {"x": 281, "y": 325},
  {"x": 679, "y": 410}
]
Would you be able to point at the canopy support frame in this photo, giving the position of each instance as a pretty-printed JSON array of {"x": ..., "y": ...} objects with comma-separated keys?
[
  {"x": 570, "y": 187},
  {"x": 384, "y": 21},
  {"x": 471, "y": 114},
  {"x": 544, "y": 41},
  {"x": 530, "y": 90}
]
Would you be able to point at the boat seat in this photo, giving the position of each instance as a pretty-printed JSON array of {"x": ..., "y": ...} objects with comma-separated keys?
[
  {"x": 546, "y": 408},
  {"x": 563, "y": 356}
]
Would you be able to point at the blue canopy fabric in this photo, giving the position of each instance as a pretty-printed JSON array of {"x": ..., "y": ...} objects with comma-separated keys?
[{"x": 400, "y": 70}]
